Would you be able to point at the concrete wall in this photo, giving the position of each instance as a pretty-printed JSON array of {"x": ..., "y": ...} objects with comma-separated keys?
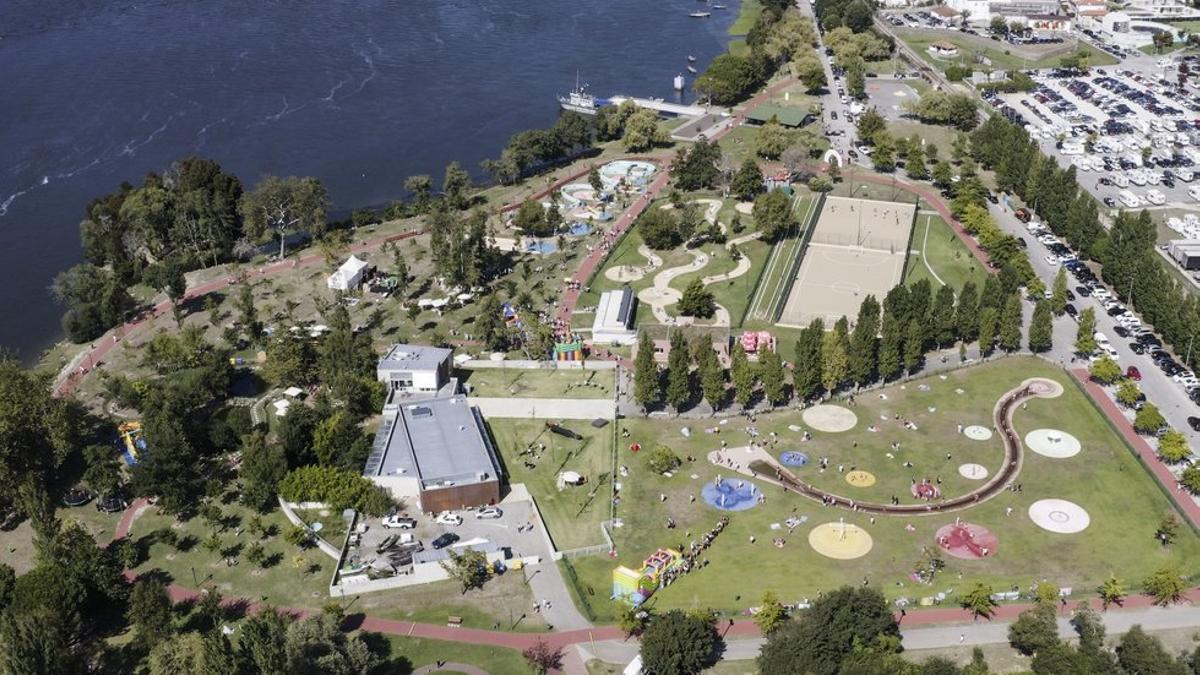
[
  {"x": 288, "y": 512},
  {"x": 524, "y": 364}
]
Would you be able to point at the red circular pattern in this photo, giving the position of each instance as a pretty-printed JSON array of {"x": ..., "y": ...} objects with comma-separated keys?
[{"x": 967, "y": 541}]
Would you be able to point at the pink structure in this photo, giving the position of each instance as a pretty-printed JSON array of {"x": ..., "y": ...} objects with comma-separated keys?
[
  {"x": 966, "y": 540},
  {"x": 755, "y": 341}
]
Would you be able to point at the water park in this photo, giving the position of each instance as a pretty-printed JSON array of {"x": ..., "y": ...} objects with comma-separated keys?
[{"x": 878, "y": 484}]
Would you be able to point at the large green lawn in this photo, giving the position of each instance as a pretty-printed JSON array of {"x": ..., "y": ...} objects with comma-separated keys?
[
  {"x": 1001, "y": 55},
  {"x": 936, "y": 246},
  {"x": 769, "y": 294},
  {"x": 1124, "y": 502},
  {"x": 411, "y": 653},
  {"x": 574, "y": 513},
  {"x": 748, "y": 13},
  {"x": 538, "y": 383}
]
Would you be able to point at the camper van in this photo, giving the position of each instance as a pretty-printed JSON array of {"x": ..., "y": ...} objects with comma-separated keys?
[
  {"x": 1120, "y": 180},
  {"x": 1155, "y": 197},
  {"x": 1130, "y": 200}
]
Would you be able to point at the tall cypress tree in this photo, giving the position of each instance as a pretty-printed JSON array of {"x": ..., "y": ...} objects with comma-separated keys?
[
  {"x": 679, "y": 377},
  {"x": 891, "y": 346},
  {"x": 1041, "y": 328},
  {"x": 943, "y": 317},
  {"x": 914, "y": 345},
  {"x": 989, "y": 319},
  {"x": 647, "y": 386},
  {"x": 743, "y": 375},
  {"x": 773, "y": 379},
  {"x": 712, "y": 379},
  {"x": 1010, "y": 324},
  {"x": 862, "y": 342},
  {"x": 966, "y": 314},
  {"x": 806, "y": 375},
  {"x": 834, "y": 361}
]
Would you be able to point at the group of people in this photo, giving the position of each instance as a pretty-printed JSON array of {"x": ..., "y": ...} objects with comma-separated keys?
[{"x": 691, "y": 556}]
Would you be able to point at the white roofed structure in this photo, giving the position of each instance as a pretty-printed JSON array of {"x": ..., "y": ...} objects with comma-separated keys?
[{"x": 349, "y": 276}]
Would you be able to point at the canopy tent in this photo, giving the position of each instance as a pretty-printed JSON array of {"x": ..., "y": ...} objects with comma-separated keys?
[{"x": 348, "y": 276}]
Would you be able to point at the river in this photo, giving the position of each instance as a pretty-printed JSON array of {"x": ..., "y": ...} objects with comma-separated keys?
[{"x": 360, "y": 93}]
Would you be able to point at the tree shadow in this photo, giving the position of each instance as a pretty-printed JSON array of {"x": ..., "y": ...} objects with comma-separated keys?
[{"x": 186, "y": 543}]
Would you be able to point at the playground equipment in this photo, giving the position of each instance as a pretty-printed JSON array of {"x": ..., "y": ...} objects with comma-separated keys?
[
  {"x": 966, "y": 540},
  {"x": 635, "y": 587},
  {"x": 633, "y": 173},
  {"x": 130, "y": 434},
  {"x": 569, "y": 351},
  {"x": 754, "y": 342}
]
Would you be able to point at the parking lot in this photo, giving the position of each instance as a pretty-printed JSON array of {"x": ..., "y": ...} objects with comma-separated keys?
[
  {"x": 1131, "y": 132},
  {"x": 889, "y": 97}
]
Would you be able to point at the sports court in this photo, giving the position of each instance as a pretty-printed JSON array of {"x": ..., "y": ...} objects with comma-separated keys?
[{"x": 858, "y": 248}]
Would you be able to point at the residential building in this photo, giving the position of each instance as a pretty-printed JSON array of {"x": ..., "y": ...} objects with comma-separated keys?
[
  {"x": 943, "y": 50},
  {"x": 417, "y": 370}
]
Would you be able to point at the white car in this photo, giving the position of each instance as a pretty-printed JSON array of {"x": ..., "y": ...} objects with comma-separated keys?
[
  {"x": 399, "y": 522},
  {"x": 488, "y": 513},
  {"x": 449, "y": 518},
  {"x": 865, "y": 149},
  {"x": 1051, "y": 259}
]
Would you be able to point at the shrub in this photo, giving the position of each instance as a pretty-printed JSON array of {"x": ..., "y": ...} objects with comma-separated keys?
[
  {"x": 662, "y": 459},
  {"x": 336, "y": 488}
]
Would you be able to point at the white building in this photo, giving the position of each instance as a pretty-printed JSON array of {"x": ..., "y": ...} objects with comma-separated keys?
[
  {"x": 974, "y": 11},
  {"x": 615, "y": 317},
  {"x": 1160, "y": 9},
  {"x": 415, "y": 369},
  {"x": 349, "y": 276}
]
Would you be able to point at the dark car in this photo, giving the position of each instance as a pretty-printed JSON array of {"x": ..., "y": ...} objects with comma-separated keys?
[
  {"x": 1121, "y": 331},
  {"x": 1022, "y": 243},
  {"x": 993, "y": 198},
  {"x": 1149, "y": 340},
  {"x": 1083, "y": 291},
  {"x": 1110, "y": 202},
  {"x": 1137, "y": 348},
  {"x": 1071, "y": 311},
  {"x": 1194, "y": 423},
  {"x": 444, "y": 540},
  {"x": 1116, "y": 310}
]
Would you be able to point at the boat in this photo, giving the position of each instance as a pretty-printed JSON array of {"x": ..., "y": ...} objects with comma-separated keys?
[
  {"x": 692, "y": 70},
  {"x": 700, "y": 15},
  {"x": 691, "y": 58},
  {"x": 579, "y": 100},
  {"x": 718, "y": 6}
]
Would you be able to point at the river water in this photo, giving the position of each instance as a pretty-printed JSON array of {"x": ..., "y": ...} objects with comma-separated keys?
[{"x": 360, "y": 93}]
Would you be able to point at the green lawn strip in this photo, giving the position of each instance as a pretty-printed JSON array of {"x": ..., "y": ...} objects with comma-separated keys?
[
  {"x": 500, "y": 603},
  {"x": 572, "y": 514},
  {"x": 738, "y": 145},
  {"x": 538, "y": 383},
  {"x": 1000, "y": 60},
  {"x": 410, "y": 653},
  {"x": 1124, "y": 503},
  {"x": 945, "y": 253},
  {"x": 748, "y": 14},
  {"x": 778, "y": 263},
  {"x": 333, "y": 527},
  {"x": 942, "y": 137}
]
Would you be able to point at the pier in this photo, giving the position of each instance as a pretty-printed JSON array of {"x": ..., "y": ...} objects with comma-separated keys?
[{"x": 676, "y": 109}]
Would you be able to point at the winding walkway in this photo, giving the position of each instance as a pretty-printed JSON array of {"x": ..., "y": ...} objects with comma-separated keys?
[{"x": 1013, "y": 460}]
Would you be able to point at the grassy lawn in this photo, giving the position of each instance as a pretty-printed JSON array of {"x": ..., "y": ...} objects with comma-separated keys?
[
  {"x": 1125, "y": 504},
  {"x": 17, "y": 543},
  {"x": 574, "y": 513},
  {"x": 1002, "y": 55},
  {"x": 538, "y": 383},
  {"x": 771, "y": 285},
  {"x": 748, "y": 14},
  {"x": 738, "y": 145},
  {"x": 411, "y": 653},
  {"x": 937, "y": 246},
  {"x": 942, "y": 137}
]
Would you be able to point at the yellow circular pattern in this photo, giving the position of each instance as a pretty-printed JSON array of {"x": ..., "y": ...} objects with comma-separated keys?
[
  {"x": 860, "y": 479},
  {"x": 840, "y": 541}
]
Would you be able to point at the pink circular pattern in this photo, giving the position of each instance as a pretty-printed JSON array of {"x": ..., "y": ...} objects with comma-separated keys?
[{"x": 967, "y": 541}]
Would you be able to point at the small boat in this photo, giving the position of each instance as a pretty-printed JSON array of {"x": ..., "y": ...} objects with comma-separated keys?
[
  {"x": 691, "y": 58},
  {"x": 692, "y": 70},
  {"x": 700, "y": 15},
  {"x": 718, "y": 6}
]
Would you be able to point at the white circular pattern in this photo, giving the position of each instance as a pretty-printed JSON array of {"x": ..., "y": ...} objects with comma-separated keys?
[
  {"x": 973, "y": 471},
  {"x": 1052, "y": 443},
  {"x": 1059, "y": 516},
  {"x": 977, "y": 433},
  {"x": 830, "y": 418}
]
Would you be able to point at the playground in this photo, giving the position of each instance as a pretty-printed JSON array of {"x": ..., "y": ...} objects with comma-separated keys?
[
  {"x": 1123, "y": 504},
  {"x": 539, "y": 458},
  {"x": 659, "y": 277}
]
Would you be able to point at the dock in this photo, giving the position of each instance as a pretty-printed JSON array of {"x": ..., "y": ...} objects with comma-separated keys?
[{"x": 677, "y": 109}]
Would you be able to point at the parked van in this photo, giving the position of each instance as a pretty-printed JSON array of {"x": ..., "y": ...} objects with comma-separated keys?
[
  {"x": 1155, "y": 197},
  {"x": 1130, "y": 200},
  {"x": 1120, "y": 180}
]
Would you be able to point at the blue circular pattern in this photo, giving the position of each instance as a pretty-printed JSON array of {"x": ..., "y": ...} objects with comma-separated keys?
[
  {"x": 729, "y": 497},
  {"x": 542, "y": 246},
  {"x": 579, "y": 228},
  {"x": 793, "y": 458}
]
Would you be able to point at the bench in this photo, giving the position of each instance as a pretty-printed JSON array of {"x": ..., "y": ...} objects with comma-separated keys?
[{"x": 454, "y": 621}]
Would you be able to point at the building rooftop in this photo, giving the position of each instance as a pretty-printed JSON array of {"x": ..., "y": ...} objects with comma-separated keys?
[
  {"x": 943, "y": 10},
  {"x": 616, "y": 310},
  {"x": 788, "y": 116},
  {"x": 440, "y": 441},
  {"x": 413, "y": 357},
  {"x": 944, "y": 46}
]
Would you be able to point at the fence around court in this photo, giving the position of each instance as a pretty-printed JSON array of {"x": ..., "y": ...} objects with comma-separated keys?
[
  {"x": 793, "y": 269},
  {"x": 865, "y": 223}
]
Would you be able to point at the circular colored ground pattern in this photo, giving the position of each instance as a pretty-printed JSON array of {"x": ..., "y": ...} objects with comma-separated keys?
[
  {"x": 793, "y": 458},
  {"x": 1059, "y": 516},
  {"x": 976, "y": 432},
  {"x": 966, "y": 540},
  {"x": 860, "y": 478},
  {"x": 1052, "y": 443},
  {"x": 731, "y": 495},
  {"x": 973, "y": 471},
  {"x": 840, "y": 541},
  {"x": 830, "y": 418}
]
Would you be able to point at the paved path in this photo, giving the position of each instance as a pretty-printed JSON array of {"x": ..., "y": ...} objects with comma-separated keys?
[{"x": 452, "y": 667}]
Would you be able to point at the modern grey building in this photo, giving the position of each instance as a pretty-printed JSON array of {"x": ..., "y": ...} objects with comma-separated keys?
[{"x": 416, "y": 369}]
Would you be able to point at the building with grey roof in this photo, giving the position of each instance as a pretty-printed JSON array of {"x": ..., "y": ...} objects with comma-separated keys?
[
  {"x": 416, "y": 370},
  {"x": 435, "y": 452},
  {"x": 616, "y": 313}
]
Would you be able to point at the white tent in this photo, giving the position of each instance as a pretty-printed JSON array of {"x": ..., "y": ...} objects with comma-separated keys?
[
  {"x": 293, "y": 392},
  {"x": 348, "y": 276}
]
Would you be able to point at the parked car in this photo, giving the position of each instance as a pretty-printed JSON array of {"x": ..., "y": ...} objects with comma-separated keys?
[
  {"x": 1133, "y": 373},
  {"x": 488, "y": 513},
  {"x": 1194, "y": 423},
  {"x": 449, "y": 518},
  {"x": 399, "y": 522},
  {"x": 444, "y": 540},
  {"x": 1071, "y": 311}
]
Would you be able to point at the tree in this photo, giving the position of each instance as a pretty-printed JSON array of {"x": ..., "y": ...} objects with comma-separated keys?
[
  {"x": 837, "y": 625},
  {"x": 677, "y": 643},
  {"x": 835, "y": 363},
  {"x": 770, "y": 366},
  {"x": 748, "y": 181},
  {"x": 861, "y": 364},
  {"x": 284, "y": 206},
  {"x": 455, "y": 184},
  {"x": 318, "y": 645},
  {"x": 1034, "y": 630},
  {"x": 1111, "y": 591},
  {"x": 1041, "y": 328},
  {"x": 978, "y": 600},
  {"x": 489, "y": 324},
  {"x": 1165, "y": 586},
  {"x": 811, "y": 73},
  {"x": 531, "y": 219},
  {"x": 150, "y": 612},
  {"x": 543, "y": 658},
  {"x": 807, "y": 370},
  {"x": 697, "y": 301},
  {"x": 870, "y": 124},
  {"x": 773, "y": 214},
  {"x": 1105, "y": 371},
  {"x": 1190, "y": 479},
  {"x": 421, "y": 187},
  {"x": 966, "y": 313},
  {"x": 661, "y": 459},
  {"x": 771, "y": 614},
  {"x": 678, "y": 372},
  {"x": 204, "y": 653},
  {"x": 743, "y": 375},
  {"x": 1148, "y": 420},
  {"x": 1128, "y": 393},
  {"x": 884, "y": 157},
  {"x": 1162, "y": 40},
  {"x": 642, "y": 131},
  {"x": 469, "y": 568},
  {"x": 646, "y": 379},
  {"x": 772, "y": 140},
  {"x": 856, "y": 78},
  {"x": 712, "y": 379},
  {"x": 1142, "y": 654},
  {"x": 914, "y": 345},
  {"x": 1058, "y": 293},
  {"x": 263, "y": 466},
  {"x": 1010, "y": 324},
  {"x": 1085, "y": 341}
]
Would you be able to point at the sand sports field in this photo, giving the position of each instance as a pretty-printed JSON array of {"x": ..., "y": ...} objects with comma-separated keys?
[{"x": 858, "y": 248}]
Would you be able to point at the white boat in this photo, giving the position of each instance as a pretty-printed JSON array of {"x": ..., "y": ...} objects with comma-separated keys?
[
  {"x": 700, "y": 15},
  {"x": 580, "y": 101},
  {"x": 691, "y": 58},
  {"x": 692, "y": 70}
]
